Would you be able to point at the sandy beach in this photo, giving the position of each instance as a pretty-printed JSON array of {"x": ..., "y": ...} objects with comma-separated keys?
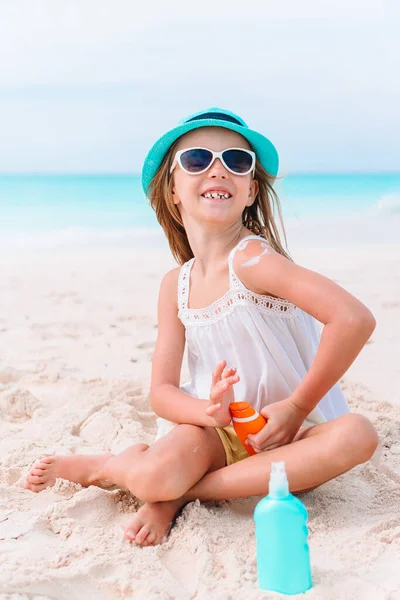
[{"x": 77, "y": 332}]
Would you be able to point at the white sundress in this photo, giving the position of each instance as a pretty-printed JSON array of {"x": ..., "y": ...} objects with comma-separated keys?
[{"x": 270, "y": 341}]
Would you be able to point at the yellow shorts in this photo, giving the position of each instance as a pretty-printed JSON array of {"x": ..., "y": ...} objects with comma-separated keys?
[{"x": 234, "y": 449}]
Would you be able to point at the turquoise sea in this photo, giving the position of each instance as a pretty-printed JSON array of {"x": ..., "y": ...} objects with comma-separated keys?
[{"x": 50, "y": 211}]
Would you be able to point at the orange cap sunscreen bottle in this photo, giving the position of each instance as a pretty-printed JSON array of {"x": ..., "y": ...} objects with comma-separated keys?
[{"x": 246, "y": 420}]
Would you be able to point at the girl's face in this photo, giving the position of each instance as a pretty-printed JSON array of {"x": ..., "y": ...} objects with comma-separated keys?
[{"x": 188, "y": 189}]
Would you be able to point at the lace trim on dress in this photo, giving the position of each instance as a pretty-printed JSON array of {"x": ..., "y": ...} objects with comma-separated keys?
[
  {"x": 238, "y": 295},
  {"x": 183, "y": 284}
]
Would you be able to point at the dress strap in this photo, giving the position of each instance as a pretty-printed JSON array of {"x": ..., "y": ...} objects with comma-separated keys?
[
  {"x": 234, "y": 281},
  {"x": 184, "y": 283}
]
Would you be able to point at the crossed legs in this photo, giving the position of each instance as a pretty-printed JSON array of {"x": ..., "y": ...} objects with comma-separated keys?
[{"x": 189, "y": 463}]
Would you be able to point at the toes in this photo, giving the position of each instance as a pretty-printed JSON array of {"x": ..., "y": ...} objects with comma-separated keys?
[
  {"x": 37, "y": 472},
  {"x": 35, "y": 488},
  {"x": 38, "y": 477},
  {"x": 40, "y": 467},
  {"x": 46, "y": 462},
  {"x": 35, "y": 480},
  {"x": 151, "y": 539},
  {"x": 38, "y": 488},
  {"x": 142, "y": 534},
  {"x": 132, "y": 530},
  {"x": 43, "y": 463}
]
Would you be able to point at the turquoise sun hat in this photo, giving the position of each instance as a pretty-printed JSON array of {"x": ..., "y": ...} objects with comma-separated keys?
[{"x": 212, "y": 117}]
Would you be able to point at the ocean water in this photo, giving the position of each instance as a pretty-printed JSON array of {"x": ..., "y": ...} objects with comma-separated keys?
[{"x": 74, "y": 211}]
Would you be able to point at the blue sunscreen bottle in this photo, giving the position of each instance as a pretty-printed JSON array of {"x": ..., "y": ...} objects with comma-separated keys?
[{"x": 283, "y": 556}]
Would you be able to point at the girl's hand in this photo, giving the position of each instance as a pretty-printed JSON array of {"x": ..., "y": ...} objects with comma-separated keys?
[
  {"x": 284, "y": 421},
  {"x": 221, "y": 394}
]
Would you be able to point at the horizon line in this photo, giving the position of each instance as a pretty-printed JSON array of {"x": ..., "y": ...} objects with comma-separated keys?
[{"x": 136, "y": 174}]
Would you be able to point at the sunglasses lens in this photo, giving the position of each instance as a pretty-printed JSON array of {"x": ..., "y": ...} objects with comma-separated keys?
[
  {"x": 238, "y": 161},
  {"x": 196, "y": 160}
]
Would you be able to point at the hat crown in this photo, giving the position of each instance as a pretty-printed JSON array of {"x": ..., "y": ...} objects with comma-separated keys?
[
  {"x": 211, "y": 117},
  {"x": 214, "y": 113}
]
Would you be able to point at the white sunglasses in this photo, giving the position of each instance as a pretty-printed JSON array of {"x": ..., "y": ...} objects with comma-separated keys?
[{"x": 194, "y": 161}]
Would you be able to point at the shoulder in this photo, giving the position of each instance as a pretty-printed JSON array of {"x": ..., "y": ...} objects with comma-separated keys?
[
  {"x": 261, "y": 268},
  {"x": 171, "y": 277},
  {"x": 169, "y": 285},
  {"x": 258, "y": 265},
  {"x": 250, "y": 250}
]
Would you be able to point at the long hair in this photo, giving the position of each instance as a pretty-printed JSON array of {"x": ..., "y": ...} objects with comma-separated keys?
[{"x": 258, "y": 218}]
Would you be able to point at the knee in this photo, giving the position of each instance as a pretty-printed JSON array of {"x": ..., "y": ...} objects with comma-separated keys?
[
  {"x": 357, "y": 437},
  {"x": 158, "y": 479}
]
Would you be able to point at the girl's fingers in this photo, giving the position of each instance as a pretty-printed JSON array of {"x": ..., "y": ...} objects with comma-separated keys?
[
  {"x": 266, "y": 448},
  {"x": 229, "y": 372},
  {"x": 211, "y": 410},
  {"x": 217, "y": 391},
  {"x": 262, "y": 438},
  {"x": 219, "y": 373},
  {"x": 273, "y": 447},
  {"x": 268, "y": 445},
  {"x": 223, "y": 386},
  {"x": 216, "y": 376}
]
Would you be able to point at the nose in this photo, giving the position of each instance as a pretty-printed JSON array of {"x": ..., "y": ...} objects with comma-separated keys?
[{"x": 217, "y": 169}]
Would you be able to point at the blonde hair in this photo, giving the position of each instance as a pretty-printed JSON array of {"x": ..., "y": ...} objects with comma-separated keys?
[{"x": 258, "y": 218}]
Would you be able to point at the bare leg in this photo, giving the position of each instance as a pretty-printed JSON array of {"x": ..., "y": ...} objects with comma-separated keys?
[
  {"x": 162, "y": 471},
  {"x": 316, "y": 455},
  {"x": 175, "y": 463},
  {"x": 86, "y": 469}
]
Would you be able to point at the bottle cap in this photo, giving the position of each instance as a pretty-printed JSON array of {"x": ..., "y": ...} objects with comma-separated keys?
[
  {"x": 278, "y": 482},
  {"x": 242, "y": 410}
]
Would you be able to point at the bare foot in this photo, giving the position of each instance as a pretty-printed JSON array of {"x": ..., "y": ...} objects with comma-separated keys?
[
  {"x": 85, "y": 469},
  {"x": 153, "y": 521}
]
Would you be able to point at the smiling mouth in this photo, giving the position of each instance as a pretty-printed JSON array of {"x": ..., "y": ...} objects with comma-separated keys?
[{"x": 217, "y": 196}]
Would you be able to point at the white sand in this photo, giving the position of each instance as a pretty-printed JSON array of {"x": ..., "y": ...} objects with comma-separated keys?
[{"x": 76, "y": 339}]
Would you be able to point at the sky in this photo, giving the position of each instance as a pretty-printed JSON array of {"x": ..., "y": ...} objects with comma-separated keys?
[{"x": 88, "y": 87}]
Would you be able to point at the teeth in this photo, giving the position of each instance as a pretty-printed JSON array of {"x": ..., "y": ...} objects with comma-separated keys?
[{"x": 216, "y": 195}]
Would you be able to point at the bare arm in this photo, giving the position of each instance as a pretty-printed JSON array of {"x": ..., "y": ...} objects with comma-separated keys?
[
  {"x": 340, "y": 344},
  {"x": 166, "y": 399},
  {"x": 348, "y": 322}
]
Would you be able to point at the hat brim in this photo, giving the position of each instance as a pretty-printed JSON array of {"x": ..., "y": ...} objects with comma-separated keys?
[{"x": 263, "y": 147}]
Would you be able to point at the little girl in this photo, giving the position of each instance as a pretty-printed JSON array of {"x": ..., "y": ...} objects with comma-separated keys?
[{"x": 248, "y": 315}]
